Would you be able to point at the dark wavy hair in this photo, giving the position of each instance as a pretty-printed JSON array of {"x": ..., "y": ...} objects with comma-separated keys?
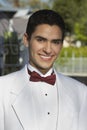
[{"x": 45, "y": 16}]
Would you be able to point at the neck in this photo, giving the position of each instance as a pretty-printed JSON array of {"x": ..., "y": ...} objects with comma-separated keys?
[{"x": 42, "y": 71}]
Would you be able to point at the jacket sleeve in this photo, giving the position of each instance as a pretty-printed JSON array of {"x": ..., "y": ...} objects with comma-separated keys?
[
  {"x": 1, "y": 105},
  {"x": 1, "y": 114},
  {"x": 83, "y": 113}
]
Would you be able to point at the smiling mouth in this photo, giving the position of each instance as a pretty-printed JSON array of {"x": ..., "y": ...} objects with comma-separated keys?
[{"x": 46, "y": 57}]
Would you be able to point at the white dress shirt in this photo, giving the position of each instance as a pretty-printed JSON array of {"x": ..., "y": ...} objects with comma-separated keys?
[{"x": 43, "y": 93}]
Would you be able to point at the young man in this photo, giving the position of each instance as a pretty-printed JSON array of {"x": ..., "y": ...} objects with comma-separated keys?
[{"x": 37, "y": 97}]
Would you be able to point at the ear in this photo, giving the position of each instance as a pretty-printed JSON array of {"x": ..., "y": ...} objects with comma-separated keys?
[{"x": 25, "y": 40}]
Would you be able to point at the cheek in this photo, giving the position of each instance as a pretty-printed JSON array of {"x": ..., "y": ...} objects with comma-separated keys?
[
  {"x": 33, "y": 50},
  {"x": 36, "y": 48},
  {"x": 31, "y": 46},
  {"x": 57, "y": 50}
]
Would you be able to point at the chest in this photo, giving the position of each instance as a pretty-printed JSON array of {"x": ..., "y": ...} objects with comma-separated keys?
[{"x": 45, "y": 105}]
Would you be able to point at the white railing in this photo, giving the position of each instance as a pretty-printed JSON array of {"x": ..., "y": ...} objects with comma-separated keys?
[{"x": 72, "y": 66}]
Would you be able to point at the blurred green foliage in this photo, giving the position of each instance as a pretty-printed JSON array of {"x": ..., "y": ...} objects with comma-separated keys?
[
  {"x": 11, "y": 52},
  {"x": 81, "y": 32},
  {"x": 75, "y": 17},
  {"x": 11, "y": 47},
  {"x": 71, "y": 52},
  {"x": 74, "y": 51}
]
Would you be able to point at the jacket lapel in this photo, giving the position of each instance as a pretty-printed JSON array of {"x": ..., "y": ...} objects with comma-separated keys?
[
  {"x": 67, "y": 112},
  {"x": 22, "y": 105}
]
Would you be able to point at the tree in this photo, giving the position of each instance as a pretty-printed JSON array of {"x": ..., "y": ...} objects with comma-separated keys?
[
  {"x": 73, "y": 12},
  {"x": 68, "y": 10},
  {"x": 81, "y": 32}
]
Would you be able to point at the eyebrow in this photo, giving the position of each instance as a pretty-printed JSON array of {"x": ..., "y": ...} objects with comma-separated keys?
[
  {"x": 60, "y": 40},
  {"x": 41, "y": 37}
]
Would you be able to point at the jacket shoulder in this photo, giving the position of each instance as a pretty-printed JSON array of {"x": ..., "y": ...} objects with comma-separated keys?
[
  {"x": 12, "y": 79},
  {"x": 73, "y": 88},
  {"x": 70, "y": 81}
]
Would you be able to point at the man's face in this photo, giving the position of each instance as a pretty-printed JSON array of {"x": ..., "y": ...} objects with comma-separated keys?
[{"x": 44, "y": 46}]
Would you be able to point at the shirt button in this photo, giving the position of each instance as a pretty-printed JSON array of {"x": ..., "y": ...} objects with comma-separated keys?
[
  {"x": 48, "y": 113},
  {"x": 45, "y": 94}
]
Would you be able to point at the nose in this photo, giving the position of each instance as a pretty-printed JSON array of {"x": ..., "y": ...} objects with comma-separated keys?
[{"x": 48, "y": 48}]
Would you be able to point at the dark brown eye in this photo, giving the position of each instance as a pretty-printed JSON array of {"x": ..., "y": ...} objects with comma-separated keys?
[
  {"x": 57, "y": 41},
  {"x": 39, "y": 39}
]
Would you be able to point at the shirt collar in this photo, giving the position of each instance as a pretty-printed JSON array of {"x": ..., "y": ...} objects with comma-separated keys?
[{"x": 31, "y": 68}]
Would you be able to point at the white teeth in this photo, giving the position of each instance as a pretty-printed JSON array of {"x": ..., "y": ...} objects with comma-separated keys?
[{"x": 46, "y": 57}]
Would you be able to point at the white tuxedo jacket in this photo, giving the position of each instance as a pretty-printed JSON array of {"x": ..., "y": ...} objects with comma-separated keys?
[{"x": 17, "y": 112}]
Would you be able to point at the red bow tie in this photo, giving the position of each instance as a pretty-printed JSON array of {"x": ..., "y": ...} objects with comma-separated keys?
[{"x": 35, "y": 77}]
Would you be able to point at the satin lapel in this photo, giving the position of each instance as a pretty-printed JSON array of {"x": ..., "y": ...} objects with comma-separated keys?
[
  {"x": 67, "y": 113},
  {"x": 23, "y": 107},
  {"x": 22, "y": 103}
]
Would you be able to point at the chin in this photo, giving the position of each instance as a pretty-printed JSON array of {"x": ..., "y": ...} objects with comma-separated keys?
[{"x": 46, "y": 67}]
